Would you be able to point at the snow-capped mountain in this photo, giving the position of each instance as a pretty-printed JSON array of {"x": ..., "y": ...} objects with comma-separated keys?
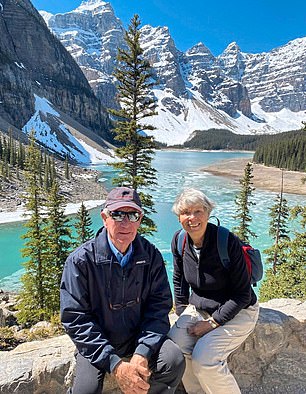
[
  {"x": 34, "y": 68},
  {"x": 245, "y": 93}
]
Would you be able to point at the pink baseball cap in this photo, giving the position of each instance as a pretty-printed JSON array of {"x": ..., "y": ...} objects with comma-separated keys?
[{"x": 120, "y": 197}]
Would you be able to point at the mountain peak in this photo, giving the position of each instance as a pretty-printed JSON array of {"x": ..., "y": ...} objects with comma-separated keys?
[
  {"x": 233, "y": 47},
  {"x": 199, "y": 49},
  {"x": 93, "y": 6}
]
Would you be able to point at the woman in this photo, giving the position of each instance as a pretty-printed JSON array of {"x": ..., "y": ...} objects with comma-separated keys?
[{"x": 222, "y": 309}]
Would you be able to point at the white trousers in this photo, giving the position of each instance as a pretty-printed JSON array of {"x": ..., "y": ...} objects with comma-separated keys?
[{"x": 206, "y": 357}]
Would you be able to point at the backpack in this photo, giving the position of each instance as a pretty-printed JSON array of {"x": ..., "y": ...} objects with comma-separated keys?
[{"x": 252, "y": 256}]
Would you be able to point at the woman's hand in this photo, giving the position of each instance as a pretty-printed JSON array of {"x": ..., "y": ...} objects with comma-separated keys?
[{"x": 199, "y": 328}]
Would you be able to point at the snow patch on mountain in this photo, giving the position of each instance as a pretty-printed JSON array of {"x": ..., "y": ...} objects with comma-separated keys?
[
  {"x": 241, "y": 92},
  {"x": 59, "y": 139}
]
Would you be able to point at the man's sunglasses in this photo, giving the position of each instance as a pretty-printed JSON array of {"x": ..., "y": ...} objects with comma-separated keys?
[{"x": 118, "y": 216}]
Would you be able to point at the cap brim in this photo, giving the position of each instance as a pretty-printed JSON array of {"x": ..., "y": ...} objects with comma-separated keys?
[{"x": 122, "y": 204}]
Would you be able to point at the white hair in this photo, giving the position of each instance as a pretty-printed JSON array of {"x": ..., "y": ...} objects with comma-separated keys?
[{"x": 191, "y": 197}]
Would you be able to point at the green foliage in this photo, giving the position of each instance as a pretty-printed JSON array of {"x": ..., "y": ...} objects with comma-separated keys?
[
  {"x": 134, "y": 77},
  {"x": 288, "y": 280},
  {"x": 46, "y": 248},
  {"x": 243, "y": 204},
  {"x": 216, "y": 139},
  {"x": 67, "y": 174},
  {"x": 278, "y": 230},
  {"x": 32, "y": 297},
  {"x": 8, "y": 340},
  {"x": 58, "y": 246},
  {"x": 83, "y": 226},
  {"x": 288, "y": 152}
]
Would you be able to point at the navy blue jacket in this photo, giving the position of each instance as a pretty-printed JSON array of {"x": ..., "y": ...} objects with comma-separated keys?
[
  {"x": 95, "y": 286},
  {"x": 219, "y": 291}
]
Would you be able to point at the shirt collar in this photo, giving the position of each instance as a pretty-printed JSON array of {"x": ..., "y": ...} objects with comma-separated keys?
[{"x": 122, "y": 259}]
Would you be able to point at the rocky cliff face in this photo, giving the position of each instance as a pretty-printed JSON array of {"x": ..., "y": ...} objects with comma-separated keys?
[
  {"x": 92, "y": 34},
  {"x": 34, "y": 62}
]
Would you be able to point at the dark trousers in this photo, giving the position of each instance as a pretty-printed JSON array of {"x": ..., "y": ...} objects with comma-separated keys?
[{"x": 167, "y": 370}]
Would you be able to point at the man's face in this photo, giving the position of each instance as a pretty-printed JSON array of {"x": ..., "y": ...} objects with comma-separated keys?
[{"x": 121, "y": 233}]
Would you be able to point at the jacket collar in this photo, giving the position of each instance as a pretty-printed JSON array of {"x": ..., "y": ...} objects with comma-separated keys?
[{"x": 104, "y": 254}]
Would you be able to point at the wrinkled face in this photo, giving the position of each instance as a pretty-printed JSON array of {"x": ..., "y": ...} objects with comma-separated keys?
[
  {"x": 121, "y": 233},
  {"x": 194, "y": 220}
]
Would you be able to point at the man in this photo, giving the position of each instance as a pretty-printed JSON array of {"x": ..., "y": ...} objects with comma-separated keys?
[{"x": 115, "y": 301}]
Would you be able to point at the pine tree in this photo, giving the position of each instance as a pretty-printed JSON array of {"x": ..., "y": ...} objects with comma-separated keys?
[
  {"x": 134, "y": 77},
  {"x": 243, "y": 203},
  {"x": 83, "y": 226},
  {"x": 277, "y": 254},
  {"x": 58, "y": 246},
  {"x": 289, "y": 279},
  {"x": 67, "y": 174},
  {"x": 32, "y": 297},
  {"x": 278, "y": 230}
]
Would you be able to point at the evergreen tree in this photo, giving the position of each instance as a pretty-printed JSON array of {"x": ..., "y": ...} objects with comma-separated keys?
[
  {"x": 67, "y": 174},
  {"x": 83, "y": 226},
  {"x": 1, "y": 148},
  {"x": 289, "y": 279},
  {"x": 134, "y": 78},
  {"x": 243, "y": 204},
  {"x": 58, "y": 246},
  {"x": 278, "y": 230},
  {"x": 32, "y": 297}
]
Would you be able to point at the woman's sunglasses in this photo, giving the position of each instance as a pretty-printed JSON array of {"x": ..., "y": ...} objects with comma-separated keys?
[{"x": 118, "y": 216}]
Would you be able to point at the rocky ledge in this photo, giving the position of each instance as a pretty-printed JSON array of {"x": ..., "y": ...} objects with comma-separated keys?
[{"x": 272, "y": 360}]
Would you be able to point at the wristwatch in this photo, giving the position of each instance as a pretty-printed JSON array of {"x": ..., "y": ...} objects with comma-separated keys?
[{"x": 213, "y": 323}]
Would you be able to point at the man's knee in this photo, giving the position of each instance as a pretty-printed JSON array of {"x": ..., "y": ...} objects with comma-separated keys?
[{"x": 172, "y": 358}]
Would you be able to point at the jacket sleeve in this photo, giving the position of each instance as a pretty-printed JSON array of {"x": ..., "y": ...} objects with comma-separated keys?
[
  {"x": 155, "y": 322},
  {"x": 180, "y": 285},
  {"x": 78, "y": 320},
  {"x": 239, "y": 284}
]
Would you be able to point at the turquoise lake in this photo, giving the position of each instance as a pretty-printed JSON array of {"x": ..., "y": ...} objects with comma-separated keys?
[{"x": 176, "y": 170}]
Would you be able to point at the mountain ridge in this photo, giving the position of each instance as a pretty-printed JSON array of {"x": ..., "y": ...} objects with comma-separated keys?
[
  {"x": 242, "y": 92},
  {"x": 34, "y": 63}
]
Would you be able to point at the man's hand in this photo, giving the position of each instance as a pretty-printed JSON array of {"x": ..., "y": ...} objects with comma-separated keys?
[
  {"x": 132, "y": 378},
  {"x": 141, "y": 361}
]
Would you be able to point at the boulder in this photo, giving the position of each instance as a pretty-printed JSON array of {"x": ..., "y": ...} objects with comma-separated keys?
[{"x": 272, "y": 360}]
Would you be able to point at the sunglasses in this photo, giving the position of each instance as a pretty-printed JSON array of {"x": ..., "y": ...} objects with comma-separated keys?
[{"x": 118, "y": 216}]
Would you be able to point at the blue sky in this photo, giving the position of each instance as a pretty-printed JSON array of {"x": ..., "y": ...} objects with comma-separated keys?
[{"x": 257, "y": 26}]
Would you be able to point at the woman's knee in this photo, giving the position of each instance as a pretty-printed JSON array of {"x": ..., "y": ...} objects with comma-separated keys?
[
  {"x": 205, "y": 355},
  {"x": 181, "y": 337}
]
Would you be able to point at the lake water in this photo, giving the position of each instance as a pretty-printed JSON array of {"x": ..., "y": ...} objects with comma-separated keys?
[{"x": 176, "y": 170}]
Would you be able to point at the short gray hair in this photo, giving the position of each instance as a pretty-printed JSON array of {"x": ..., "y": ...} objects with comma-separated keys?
[{"x": 191, "y": 197}]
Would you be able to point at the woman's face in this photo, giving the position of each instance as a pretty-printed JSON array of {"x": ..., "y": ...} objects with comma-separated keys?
[{"x": 194, "y": 220}]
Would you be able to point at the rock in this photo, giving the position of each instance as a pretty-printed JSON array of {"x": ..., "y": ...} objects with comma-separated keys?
[
  {"x": 38, "y": 367},
  {"x": 272, "y": 360}
]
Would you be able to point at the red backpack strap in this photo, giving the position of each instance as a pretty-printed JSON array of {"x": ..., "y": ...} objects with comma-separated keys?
[{"x": 247, "y": 258}]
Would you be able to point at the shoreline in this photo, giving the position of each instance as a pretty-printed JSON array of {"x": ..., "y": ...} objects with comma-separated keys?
[
  {"x": 20, "y": 214},
  {"x": 265, "y": 178}
]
